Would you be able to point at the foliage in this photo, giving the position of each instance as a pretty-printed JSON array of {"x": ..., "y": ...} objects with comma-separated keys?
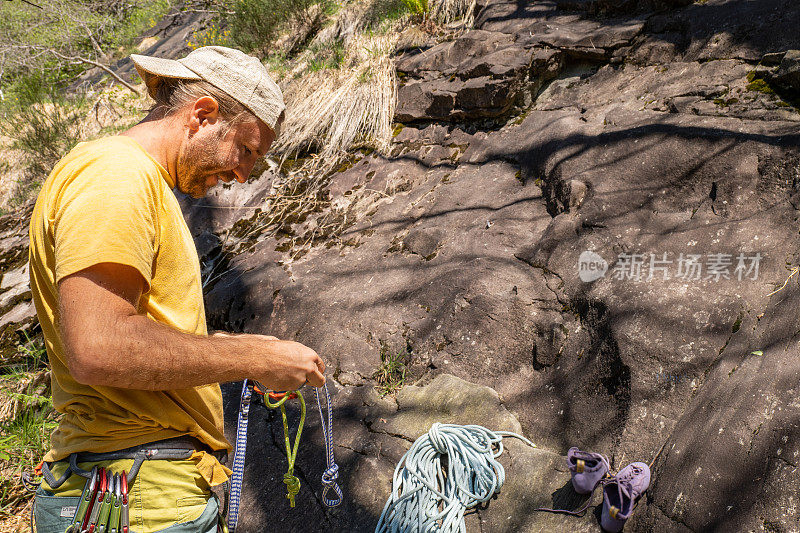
[
  {"x": 27, "y": 422},
  {"x": 761, "y": 86},
  {"x": 24, "y": 442},
  {"x": 52, "y": 42},
  {"x": 254, "y": 24},
  {"x": 44, "y": 126},
  {"x": 391, "y": 373},
  {"x": 277, "y": 64},
  {"x": 417, "y": 7},
  {"x": 326, "y": 57},
  {"x": 214, "y": 35},
  {"x": 43, "y": 49},
  {"x": 143, "y": 15}
]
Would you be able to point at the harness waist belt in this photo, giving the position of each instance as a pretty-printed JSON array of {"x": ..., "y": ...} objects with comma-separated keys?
[
  {"x": 185, "y": 443},
  {"x": 174, "y": 448}
]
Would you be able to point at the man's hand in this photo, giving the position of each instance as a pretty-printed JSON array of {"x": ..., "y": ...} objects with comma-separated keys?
[{"x": 291, "y": 363}]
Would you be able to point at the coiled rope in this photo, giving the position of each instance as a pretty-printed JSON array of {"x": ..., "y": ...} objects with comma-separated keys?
[{"x": 425, "y": 498}]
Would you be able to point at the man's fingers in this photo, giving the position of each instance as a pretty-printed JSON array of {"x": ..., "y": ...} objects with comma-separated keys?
[
  {"x": 320, "y": 364},
  {"x": 316, "y": 378}
]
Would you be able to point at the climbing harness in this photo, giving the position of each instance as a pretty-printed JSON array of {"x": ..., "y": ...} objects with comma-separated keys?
[
  {"x": 424, "y": 498},
  {"x": 104, "y": 504},
  {"x": 277, "y": 400}
]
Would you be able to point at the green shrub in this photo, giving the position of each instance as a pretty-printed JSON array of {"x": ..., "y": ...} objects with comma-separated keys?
[
  {"x": 390, "y": 376},
  {"x": 326, "y": 57},
  {"x": 27, "y": 420},
  {"x": 419, "y": 8},
  {"x": 44, "y": 126},
  {"x": 254, "y": 24}
]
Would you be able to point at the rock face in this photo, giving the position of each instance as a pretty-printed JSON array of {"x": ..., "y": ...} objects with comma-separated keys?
[
  {"x": 658, "y": 137},
  {"x": 788, "y": 74},
  {"x": 17, "y": 313},
  {"x": 587, "y": 232}
]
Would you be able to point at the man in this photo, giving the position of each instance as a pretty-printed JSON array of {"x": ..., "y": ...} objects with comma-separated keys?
[{"x": 116, "y": 282}]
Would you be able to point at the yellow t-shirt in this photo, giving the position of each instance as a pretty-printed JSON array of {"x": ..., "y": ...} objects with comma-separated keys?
[{"x": 109, "y": 201}]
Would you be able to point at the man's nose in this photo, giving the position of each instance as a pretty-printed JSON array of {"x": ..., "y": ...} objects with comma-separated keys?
[{"x": 242, "y": 172}]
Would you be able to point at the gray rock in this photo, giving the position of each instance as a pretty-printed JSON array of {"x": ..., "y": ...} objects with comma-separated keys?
[
  {"x": 449, "y": 400},
  {"x": 645, "y": 143},
  {"x": 419, "y": 100},
  {"x": 772, "y": 59},
  {"x": 727, "y": 29},
  {"x": 459, "y": 56},
  {"x": 21, "y": 312},
  {"x": 17, "y": 312},
  {"x": 788, "y": 74},
  {"x": 424, "y": 243},
  {"x": 542, "y": 24},
  {"x": 14, "y": 283},
  {"x": 714, "y": 88},
  {"x": 619, "y": 6},
  {"x": 454, "y": 99}
]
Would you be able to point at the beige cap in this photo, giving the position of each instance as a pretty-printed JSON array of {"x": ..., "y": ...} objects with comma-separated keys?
[{"x": 241, "y": 76}]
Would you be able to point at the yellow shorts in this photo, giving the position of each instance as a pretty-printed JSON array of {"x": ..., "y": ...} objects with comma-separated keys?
[{"x": 165, "y": 494}]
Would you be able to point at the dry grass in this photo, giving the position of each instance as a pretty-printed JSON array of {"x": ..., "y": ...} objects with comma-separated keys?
[
  {"x": 333, "y": 111},
  {"x": 20, "y": 521},
  {"x": 447, "y": 11}
]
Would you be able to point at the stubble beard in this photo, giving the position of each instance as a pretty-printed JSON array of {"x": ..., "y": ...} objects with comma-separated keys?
[{"x": 197, "y": 165}]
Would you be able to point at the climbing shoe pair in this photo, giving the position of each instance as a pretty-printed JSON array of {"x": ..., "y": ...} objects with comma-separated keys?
[{"x": 620, "y": 492}]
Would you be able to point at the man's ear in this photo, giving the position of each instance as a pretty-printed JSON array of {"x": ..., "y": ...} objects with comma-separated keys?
[{"x": 205, "y": 109}]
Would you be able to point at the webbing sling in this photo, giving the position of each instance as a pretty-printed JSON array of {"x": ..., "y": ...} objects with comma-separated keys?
[{"x": 329, "y": 477}]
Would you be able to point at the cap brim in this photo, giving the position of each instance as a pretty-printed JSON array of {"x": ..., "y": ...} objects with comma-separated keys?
[
  {"x": 160, "y": 66},
  {"x": 153, "y": 69}
]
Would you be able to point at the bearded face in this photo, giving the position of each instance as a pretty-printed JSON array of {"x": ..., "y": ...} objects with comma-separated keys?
[
  {"x": 205, "y": 160},
  {"x": 214, "y": 150}
]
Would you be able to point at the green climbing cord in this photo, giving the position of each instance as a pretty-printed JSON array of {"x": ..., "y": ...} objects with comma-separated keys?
[{"x": 291, "y": 481}]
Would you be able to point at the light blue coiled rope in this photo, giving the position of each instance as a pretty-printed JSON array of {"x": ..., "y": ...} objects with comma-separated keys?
[{"x": 424, "y": 499}]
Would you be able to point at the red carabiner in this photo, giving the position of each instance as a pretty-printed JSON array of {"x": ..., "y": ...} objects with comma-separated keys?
[
  {"x": 124, "y": 520},
  {"x": 278, "y": 395}
]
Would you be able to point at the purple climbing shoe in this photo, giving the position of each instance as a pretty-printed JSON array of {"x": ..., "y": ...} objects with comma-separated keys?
[
  {"x": 587, "y": 469},
  {"x": 621, "y": 493}
]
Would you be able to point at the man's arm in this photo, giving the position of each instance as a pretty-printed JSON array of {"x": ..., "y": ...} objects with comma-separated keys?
[{"x": 107, "y": 343}]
